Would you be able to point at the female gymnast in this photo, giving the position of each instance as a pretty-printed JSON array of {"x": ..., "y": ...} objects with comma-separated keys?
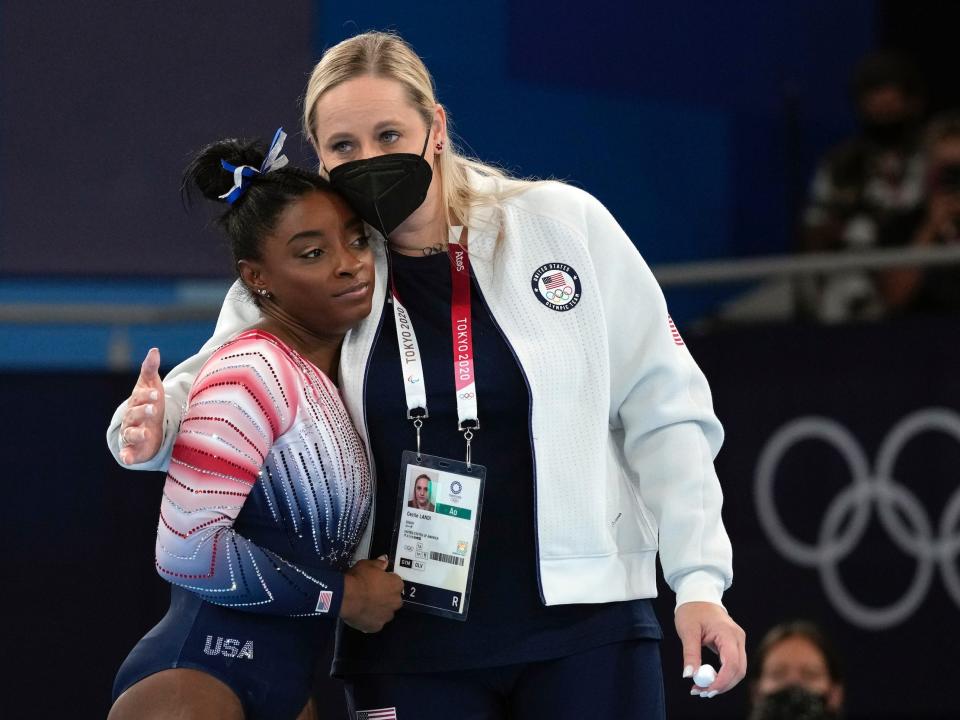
[{"x": 268, "y": 488}]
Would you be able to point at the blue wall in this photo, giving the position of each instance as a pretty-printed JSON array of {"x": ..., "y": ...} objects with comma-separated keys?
[{"x": 697, "y": 123}]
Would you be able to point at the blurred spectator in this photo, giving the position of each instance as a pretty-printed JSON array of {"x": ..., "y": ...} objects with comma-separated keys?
[
  {"x": 936, "y": 222},
  {"x": 797, "y": 675},
  {"x": 863, "y": 180}
]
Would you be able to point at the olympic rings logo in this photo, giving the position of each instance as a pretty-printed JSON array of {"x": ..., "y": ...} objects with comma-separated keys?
[
  {"x": 869, "y": 488},
  {"x": 560, "y": 294},
  {"x": 466, "y": 395}
]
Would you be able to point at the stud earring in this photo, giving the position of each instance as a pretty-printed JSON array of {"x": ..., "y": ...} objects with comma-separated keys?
[
  {"x": 264, "y": 293},
  {"x": 439, "y": 147}
]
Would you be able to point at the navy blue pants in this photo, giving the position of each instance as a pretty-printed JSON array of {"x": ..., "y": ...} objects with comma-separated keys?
[{"x": 621, "y": 680}]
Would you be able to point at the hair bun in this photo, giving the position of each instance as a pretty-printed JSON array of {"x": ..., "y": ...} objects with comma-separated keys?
[{"x": 206, "y": 174}]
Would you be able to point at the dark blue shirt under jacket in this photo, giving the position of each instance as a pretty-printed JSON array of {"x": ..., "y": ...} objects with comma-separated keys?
[{"x": 507, "y": 621}]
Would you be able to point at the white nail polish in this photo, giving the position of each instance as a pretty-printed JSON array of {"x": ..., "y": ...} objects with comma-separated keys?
[
  {"x": 154, "y": 395},
  {"x": 688, "y": 671},
  {"x": 694, "y": 691},
  {"x": 713, "y": 693},
  {"x": 149, "y": 410}
]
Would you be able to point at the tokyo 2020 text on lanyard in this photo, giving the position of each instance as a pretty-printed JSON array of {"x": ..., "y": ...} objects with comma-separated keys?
[{"x": 437, "y": 521}]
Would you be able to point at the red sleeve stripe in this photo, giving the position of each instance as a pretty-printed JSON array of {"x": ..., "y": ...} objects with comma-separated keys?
[
  {"x": 209, "y": 418},
  {"x": 266, "y": 408},
  {"x": 204, "y": 461}
]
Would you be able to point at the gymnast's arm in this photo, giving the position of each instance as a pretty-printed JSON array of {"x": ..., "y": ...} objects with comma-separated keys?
[{"x": 242, "y": 401}]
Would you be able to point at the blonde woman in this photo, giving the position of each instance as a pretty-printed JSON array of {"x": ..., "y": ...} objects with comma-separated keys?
[{"x": 516, "y": 326}]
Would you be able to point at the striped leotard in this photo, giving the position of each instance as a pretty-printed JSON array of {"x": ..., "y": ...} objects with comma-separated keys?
[{"x": 266, "y": 497}]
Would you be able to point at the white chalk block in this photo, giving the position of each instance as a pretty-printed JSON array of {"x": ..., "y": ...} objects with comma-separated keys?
[{"x": 704, "y": 676}]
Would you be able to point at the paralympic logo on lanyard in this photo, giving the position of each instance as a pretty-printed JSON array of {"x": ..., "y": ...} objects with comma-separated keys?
[{"x": 870, "y": 487}]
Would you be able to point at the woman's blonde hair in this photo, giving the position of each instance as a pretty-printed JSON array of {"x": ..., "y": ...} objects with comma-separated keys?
[{"x": 386, "y": 55}]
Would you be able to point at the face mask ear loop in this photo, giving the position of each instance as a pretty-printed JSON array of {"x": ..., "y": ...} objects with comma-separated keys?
[{"x": 426, "y": 141}]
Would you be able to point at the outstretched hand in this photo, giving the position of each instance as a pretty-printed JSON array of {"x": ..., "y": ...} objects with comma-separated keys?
[
  {"x": 141, "y": 432},
  {"x": 703, "y": 624}
]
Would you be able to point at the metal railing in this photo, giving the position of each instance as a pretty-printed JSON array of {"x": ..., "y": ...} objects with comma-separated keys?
[
  {"x": 779, "y": 267},
  {"x": 206, "y": 307}
]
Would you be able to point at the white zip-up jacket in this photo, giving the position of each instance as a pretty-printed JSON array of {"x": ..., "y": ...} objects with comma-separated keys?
[{"x": 622, "y": 426}]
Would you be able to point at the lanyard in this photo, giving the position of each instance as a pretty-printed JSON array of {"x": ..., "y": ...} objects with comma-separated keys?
[{"x": 461, "y": 329}]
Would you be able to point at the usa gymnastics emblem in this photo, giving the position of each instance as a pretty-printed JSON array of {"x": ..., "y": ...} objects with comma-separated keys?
[{"x": 557, "y": 286}]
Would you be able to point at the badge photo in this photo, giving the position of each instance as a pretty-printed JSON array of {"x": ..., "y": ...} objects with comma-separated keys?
[
  {"x": 423, "y": 492},
  {"x": 556, "y": 286}
]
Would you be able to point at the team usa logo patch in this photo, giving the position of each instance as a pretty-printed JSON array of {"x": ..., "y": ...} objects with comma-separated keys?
[{"x": 557, "y": 286}]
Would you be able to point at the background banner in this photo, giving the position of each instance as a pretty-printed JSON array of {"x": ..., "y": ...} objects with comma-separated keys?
[{"x": 840, "y": 473}]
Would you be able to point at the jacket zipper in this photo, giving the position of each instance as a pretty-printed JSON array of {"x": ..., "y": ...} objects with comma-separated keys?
[
  {"x": 366, "y": 432},
  {"x": 533, "y": 452}
]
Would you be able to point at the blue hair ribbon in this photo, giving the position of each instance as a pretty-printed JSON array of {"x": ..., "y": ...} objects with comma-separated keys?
[{"x": 243, "y": 173}]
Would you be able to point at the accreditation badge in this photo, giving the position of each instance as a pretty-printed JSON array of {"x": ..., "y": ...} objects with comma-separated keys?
[{"x": 435, "y": 532}]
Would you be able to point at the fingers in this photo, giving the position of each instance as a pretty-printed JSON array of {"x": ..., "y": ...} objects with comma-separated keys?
[
  {"x": 135, "y": 445},
  {"x": 150, "y": 367},
  {"x": 372, "y": 604},
  {"x": 143, "y": 395},
  {"x": 376, "y": 565},
  {"x": 397, "y": 591},
  {"x": 128, "y": 456},
  {"x": 149, "y": 387},
  {"x": 131, "y": 436},
  {"x": 731, "y": 643},
  {"x": 701, "y": 625},
  {"x": 690, "y": 628},
  {"x": 690, "y": 636},
  {"x": 141, "y": 431},
  {"x": 135, "y": 416}
]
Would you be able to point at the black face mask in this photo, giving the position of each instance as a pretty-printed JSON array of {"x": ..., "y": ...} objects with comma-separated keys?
[
  {"x": 792, "y": 703},
  {"x": 889, "y": 133},
  {"x": 387, "y": 189},
  {"x": 945, "y": 178}
]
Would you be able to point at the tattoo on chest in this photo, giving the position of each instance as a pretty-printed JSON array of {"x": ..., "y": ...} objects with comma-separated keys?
[{"x": 433, "y": 249}]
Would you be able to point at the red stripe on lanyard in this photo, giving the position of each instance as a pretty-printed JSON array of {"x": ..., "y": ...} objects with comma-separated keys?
[{"x": 461, "y": 327}]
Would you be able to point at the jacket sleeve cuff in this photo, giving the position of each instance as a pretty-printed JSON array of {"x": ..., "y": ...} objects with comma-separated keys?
[{"x": 699, "y": 586}]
